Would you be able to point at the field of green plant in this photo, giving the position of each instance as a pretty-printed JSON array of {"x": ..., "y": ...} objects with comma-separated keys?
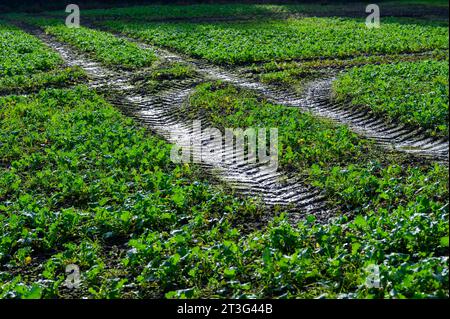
[
  {"x": 103, "y": 46},
  {"x": 240, "y": 42},
  {"x": 27, "y": 64},
  {"x": 192, "y": 11},
  {"x": 352, "y": 171},
  {"x": 414, "y": 93},
  {"x": 83, "y": 183},
  {"x": 221, "y": 11},
  {"x": 89, "y": 187},
  {"x": 297, "y": 73}
]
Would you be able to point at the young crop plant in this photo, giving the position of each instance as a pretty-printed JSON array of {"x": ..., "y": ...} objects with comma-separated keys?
[
  {"x": 103, "y": 46},
  {"x": 413, "y": 93},
  {"x": 298, "y": 74},
  {"x": 81, "y": 184},
  {"x": 172, "y": 71},
  {"x": 76, "y": 175},
  {"x": 85, "y": 187},
  {"x": 28, "y": 65},
  {"x": 24, "y": 54},
  {"x": 29, "y": 83},
  {"x": 353, "y": 173},
  {"x": 253, "y": 11},
  {"x": 306, "y": 38}
]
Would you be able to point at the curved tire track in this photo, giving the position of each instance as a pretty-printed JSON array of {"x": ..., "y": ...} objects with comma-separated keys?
[
  {"x": 317, "y": 100},
  {"x": 161, "y": 114}
]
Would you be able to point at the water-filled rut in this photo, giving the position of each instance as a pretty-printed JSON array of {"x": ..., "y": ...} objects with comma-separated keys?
[{"x": 161, "y": 113}]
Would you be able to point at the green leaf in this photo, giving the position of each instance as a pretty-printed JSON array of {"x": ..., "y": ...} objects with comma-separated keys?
[
  {"x": 444, "y": 241},
  {"x": 229, "y": 273},
  {"x": 34, "y": 293},
  {"x": 360, "y": 221}
]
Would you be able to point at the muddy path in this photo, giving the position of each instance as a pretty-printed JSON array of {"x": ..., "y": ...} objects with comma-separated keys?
[
  {"x": 161, "y": 113},
  {"x": 317, "y": 100}
]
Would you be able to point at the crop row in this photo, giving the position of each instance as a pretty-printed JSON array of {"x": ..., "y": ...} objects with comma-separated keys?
[
  {"x": 103, "y": 46},
  {"x": 27, "y": 64},
  {"x": 305, "y": 38},
  {"x": 81, "y": 184}
]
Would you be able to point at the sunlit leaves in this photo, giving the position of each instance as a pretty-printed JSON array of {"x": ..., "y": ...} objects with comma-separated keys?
[
  {"x": 413, "y": 93},
  {"x": 239, "y": 42}
]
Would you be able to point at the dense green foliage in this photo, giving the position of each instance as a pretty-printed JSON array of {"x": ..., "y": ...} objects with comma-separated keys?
[
  {"x": 26, "y": 63},
  {"x": 24, "y": 54},
  {"x": 305, "y": 38},
  {"x": 190, "y": 11},
  {"x": 353, "y": 173},
  {"x": 75, "y": 173},
  {"x": 171, "y": 71},
  {"x": 105, "y": 47},
  {"x": 80, "y": 184},
  {"x": 37, "y": 81},
  {"x": 443, "y": 3},
  {"x": 414, "y": 93},
  {"x": 303, "y": 139},
  {"x": 246, "y": 10},
  {"x": 298, "y": 73}
]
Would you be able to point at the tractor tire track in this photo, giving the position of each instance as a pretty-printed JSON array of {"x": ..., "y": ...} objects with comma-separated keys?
[
  {"x": 161, "y": 114},
  {"x": 318, "y": 100}
]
